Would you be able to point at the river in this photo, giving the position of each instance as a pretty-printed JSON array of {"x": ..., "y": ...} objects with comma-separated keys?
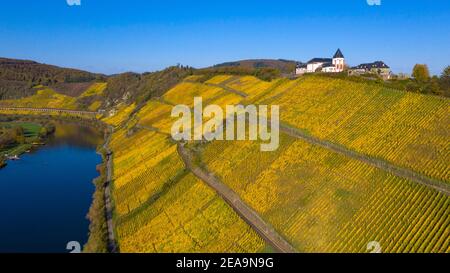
[{"x": 45, "y": 196}]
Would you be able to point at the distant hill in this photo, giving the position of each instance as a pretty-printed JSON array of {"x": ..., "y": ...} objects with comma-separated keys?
[
  {"x": 17, "y": 78},
  {"x": 133, "y": 87},
  {"x": 22, "y": 79},
  {"x": 285, "y": 66}
]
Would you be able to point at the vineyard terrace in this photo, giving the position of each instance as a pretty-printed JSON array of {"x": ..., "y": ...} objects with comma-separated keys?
[{"x": 213, "y": 129}]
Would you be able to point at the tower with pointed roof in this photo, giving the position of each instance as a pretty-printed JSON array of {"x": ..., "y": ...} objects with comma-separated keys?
[{"x": 339, "y": 61}]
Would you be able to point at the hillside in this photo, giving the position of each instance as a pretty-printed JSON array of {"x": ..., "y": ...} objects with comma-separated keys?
[
  {"x": 21, "y": 80},
  {"x": 357, "y": 162},
  {"x": 317, "y": 198},
  {"x": 17, "y": 77},
  {"x": 133, "y": 87},
  {"x": 285, "y": 66}
]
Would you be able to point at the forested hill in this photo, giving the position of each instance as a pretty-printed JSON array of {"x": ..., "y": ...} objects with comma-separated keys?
[
  {"x": 21, "y": 81},
  {"x": 17, "y": 78},
  {"x": 284, "y": 66},
  {"x": 22, "y": 78},
  {"x": 31, "y": 84}
]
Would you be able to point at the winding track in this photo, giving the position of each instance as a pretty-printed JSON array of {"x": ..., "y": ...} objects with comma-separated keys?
[
  {"x": 112, "y": 246},
  {"x": 233, "y": 199},
  {"x": 372, "y": 161},
  {"x": 375, "y": 162}
]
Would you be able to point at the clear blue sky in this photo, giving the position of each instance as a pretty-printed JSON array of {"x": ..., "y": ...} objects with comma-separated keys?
[{"x": 146, "y": 35}]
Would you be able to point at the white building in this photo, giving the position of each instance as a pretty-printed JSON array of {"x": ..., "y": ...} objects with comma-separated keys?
[
  {"x": 327, "y": 65},
  {"x": 300, "y": 69},
  {"x": 339, "y": 61}
]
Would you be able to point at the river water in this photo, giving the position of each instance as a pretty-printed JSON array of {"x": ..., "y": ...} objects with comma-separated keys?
[{"x": 45, "y": 196}]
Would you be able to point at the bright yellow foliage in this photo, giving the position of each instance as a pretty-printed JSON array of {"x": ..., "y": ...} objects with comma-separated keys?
[
  {"x": 158, "y": 115},
  {"x": 219, "y": 79},
  {"x": 122, "y": 114},
  {"x": 185, "y": 92},
  {"x": 316, "y": 199},
  {"x": 160, "y": 207},
  {"x": 44, "y": 98},
  {"x": 326, "y": 202},
  {"x": 96, "y": 89},
  {"x": 407, "y": 129},
  {"x": 95, "y": 105},
  {"x": 193, "y": 78},
  {"x": 189, "y": 217}
]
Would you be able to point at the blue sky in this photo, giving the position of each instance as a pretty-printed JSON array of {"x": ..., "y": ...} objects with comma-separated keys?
[{"x": 134, "y": 35}]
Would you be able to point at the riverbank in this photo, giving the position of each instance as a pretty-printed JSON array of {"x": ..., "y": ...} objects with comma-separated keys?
[
  {"x": 42, "y": 120},
  {"x": 19, "y": 137},
  {"x": 51, "y": 188},
  {"x": 100, "y": 234},
  {"x": 97, "y": 238},
  {"x": 101, "y": 230}
]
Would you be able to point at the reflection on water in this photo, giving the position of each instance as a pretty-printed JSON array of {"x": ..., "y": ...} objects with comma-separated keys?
[
  {"x": 76, "y": 135},
  {"x": 45, "y": 196}
]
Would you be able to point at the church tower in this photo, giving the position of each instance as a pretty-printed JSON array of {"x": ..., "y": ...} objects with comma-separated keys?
[{"x": 339, "y": 61}]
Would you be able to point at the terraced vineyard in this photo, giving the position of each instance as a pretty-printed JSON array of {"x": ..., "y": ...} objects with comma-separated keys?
[
  {"x": 44, "y": 98},
  {"x": 95, "y": 89},
  {"x": 120, "y": 116},
  {"x": 316, "y": 198},
  {"x": 408, "y": 129},
  {"x": 161, "y": 207},
  {"x": 209, "y": 94},
  {"x": 325, "y": 202}
]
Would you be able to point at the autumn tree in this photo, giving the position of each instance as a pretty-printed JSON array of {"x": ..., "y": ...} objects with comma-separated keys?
[{"x": 421, "y": 73}]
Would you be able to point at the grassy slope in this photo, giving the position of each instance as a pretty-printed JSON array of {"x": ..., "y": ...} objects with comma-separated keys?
[{"x": 31, "y": 133}]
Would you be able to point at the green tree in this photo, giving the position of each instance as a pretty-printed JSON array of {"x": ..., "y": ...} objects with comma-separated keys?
[
  {"x": 421, "y": 72},
  {"x": 19, "y": 135},
  {"x": 11, "y": 136},
  {"x": 433, "y": 87},
  {"x": 446, "y": 73},
  {"x": 43, "y": 132},
  {"x": 444, "y": 81}
]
